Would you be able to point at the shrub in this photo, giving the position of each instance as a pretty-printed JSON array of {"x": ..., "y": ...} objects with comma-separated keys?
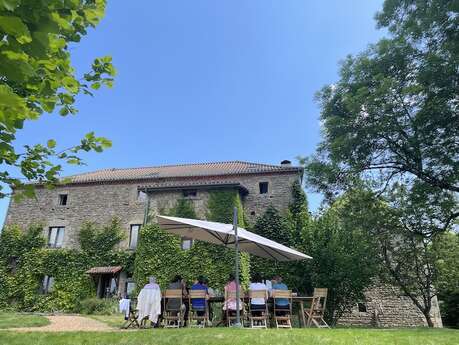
[{"x": 97, "y": 306}]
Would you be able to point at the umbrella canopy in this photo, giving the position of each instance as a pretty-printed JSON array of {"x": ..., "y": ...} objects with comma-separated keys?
[{"x": 223, "y": 234}]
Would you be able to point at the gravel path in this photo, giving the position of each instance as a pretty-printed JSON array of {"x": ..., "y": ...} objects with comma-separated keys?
[{"x": 67, "y": 323}]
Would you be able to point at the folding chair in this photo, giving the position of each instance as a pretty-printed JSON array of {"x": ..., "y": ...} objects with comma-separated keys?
[
  {"x": 193, "y": 313},
  {"x": 231, "y": 313},
  {"x": 315, "y": 314},
  {"x": 282, "y": 314},
  {"x": 133, "y": 317},
  {"x": 173, "y": 317},
  {"x": 263, "y": 316}
]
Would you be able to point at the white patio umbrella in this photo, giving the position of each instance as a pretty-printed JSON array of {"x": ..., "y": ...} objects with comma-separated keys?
[
  {"x": 230, "y": 235},
  {"x": 224, "y": 234}
]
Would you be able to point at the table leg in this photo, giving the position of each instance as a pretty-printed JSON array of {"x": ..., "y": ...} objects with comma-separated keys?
[{"x": 302, "y": 317}]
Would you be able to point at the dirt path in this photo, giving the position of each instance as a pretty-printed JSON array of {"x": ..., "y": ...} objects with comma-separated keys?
[{"x": 67, "y": 323}]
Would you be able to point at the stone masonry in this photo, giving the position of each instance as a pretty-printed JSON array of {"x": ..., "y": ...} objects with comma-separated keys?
[
  {"x": 99, "y": 196},
  {"x": 386, "y": 306}
]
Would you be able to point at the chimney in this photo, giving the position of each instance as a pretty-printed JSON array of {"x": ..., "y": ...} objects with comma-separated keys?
[{"x": 286, "y": 163}]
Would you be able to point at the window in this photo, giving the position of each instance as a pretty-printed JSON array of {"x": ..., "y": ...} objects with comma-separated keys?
[
  {"x": 130, "y": 287},
  {"x": 134, "y": 236},
  {"x": 187, "y": 243},
  {"x": 190, "y": 193},
  {"x": 13, "y": 262},
  {"x": 63, "y": 198},
  {"x": 56, "y": 236},
  {"x": 141, "y": 196},
  {"x": 362, "y": 307},
  {"x": 48, "y": 283},
  {"x": 263, "y": 187}
]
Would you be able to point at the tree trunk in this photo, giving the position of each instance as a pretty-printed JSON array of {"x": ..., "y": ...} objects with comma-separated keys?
[{"x": 428, "y": 318}]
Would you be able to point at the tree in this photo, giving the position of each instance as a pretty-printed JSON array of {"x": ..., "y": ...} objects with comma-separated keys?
[
  {"x": 445, "y": 251},
  {"x": 344, "y": 257},
  {"x": 298, "y": 213},
  {"x": 273, "y": 225},
  {"x": 36, "y": 76},
  {"x": 391, "y": 124},
  {"x": 393, "y": 114},
  {"x": 403, "y": 231}
]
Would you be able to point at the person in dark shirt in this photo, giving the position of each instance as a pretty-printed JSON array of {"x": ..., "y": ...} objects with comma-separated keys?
[{"x": 199, "y": 304}]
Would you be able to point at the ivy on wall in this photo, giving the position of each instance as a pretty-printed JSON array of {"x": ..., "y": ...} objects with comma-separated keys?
[
  {"x": 275, "y": 226},
  {"x": 24, "y": 261},
  {"x": 159, "y": 253}
]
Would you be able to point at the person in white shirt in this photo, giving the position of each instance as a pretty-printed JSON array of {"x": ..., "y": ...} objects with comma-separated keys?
[
  {"x": 257, "y": 285},
  {"x": 149, "y": 302}
]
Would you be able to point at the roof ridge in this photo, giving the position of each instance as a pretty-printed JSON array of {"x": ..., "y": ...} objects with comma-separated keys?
[{"x": 180, "y": 165}]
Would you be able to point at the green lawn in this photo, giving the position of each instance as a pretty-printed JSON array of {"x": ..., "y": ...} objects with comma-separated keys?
[
  {"x": 115, "y": 321},
  {"x": 224, "y": 336},
  {"x": 9, "y": 320}
]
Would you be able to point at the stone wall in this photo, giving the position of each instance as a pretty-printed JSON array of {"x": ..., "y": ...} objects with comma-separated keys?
[
  {"x": 101, "y": 202},
  {"x": 387, "y": 306}
]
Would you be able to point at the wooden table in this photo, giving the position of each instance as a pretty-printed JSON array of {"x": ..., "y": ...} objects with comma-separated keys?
[
  {"x": 296, "y": 299},
  {"x": 301, "y": 315}
]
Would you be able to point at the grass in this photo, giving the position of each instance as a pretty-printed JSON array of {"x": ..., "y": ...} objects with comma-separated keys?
[
  {"x": 12, "y": 320},
  {"x": 227, "y": 336},
  {"x": 115, "y": 321}
]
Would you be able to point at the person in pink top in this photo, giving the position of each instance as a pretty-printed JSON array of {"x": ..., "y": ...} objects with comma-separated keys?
[{"x": 230, "y": 303}]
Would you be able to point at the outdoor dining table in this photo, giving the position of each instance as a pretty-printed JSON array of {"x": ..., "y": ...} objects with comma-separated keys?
[{"x": 299, "y": 300}]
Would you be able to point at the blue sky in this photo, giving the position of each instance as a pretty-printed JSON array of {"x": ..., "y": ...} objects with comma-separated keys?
[{"x": 208, "y": 80}]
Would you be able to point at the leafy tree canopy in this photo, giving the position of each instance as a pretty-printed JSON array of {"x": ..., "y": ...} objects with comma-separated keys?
[
  {"x": 36, "y": 76},
  {"x": 344, "y": 256},
  {"x": 392, "y": 118}
]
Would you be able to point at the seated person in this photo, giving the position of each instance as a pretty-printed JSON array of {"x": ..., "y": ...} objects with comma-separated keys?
[
  {"x": 257, "y": 305},
  {"x": 230, "y": 303},
  {"x": 174, "y": 303},
  {"x": 199, "y": 304},
  {"x": 281, "y": 303}
]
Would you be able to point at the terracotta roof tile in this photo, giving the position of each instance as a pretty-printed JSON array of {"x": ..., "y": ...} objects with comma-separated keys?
[
  {"x": 181, "y": 171},
  {"x": 104, "y": 270}
]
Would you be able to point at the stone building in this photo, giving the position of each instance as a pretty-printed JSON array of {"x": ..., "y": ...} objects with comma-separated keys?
[{"x": 130, "y": 194}]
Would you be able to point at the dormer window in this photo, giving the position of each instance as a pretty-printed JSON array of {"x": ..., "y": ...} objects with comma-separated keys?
[
  {"x": 263, "y": 187},
  {"x": 63, "y": 199}
]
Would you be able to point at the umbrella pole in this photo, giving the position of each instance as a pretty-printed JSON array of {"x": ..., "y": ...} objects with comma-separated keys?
[{"x": 238, "y": 313}]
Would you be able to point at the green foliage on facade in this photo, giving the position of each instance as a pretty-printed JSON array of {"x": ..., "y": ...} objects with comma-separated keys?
[
  {"x": 275, "y": 226},
  {"x": 24, "y": 261},
  {"x": 183, "y": 208},
  {"x": 160, "y": 254}
]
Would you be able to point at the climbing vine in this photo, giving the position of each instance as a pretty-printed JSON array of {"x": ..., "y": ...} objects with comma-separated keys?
[
  {"x": 25, "y": 261},
  {"x": 159, "y": 253}
]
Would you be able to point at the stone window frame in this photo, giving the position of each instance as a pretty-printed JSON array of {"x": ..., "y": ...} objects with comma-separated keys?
[
  {"x": 141, "y": 196},
  {"x": 63, "y": 199},
  {"x": 47, "y": 285},
  {"x": 48, "y": 237},
  {"x": 131, "y": 225},
  {"x": 261, "y": 189},
  {"x": 57, "y": 199},
  {"x": 362, "y": 307},
  {"x": 184, "y": 240},
  {"x": 190, "y": 193}
]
